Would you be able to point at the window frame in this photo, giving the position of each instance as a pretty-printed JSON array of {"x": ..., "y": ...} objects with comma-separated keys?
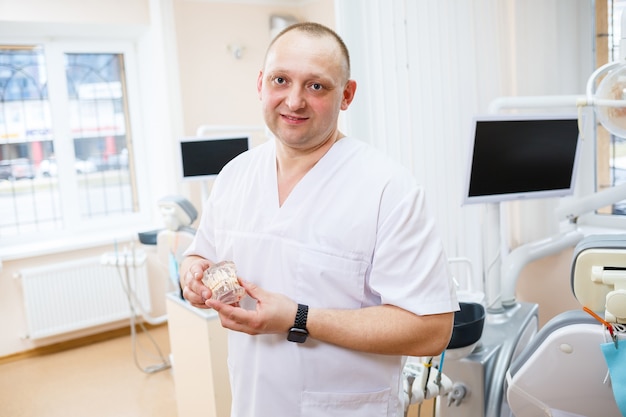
[{"x": 78, "y": 232}]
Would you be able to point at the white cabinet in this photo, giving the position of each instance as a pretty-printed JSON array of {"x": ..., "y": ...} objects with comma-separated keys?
[{"x": 199, "y": 350}]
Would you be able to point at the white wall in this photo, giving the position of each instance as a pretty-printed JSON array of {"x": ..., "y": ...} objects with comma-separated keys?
[{"x": 426, "y": 68}]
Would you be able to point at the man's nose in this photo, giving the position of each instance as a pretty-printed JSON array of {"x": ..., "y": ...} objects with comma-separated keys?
[{"x": 295, "y": 98}]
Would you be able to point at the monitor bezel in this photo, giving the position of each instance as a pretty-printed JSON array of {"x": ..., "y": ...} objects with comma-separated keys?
[
  {"x": 206, "y": 138},
  {"x": 522, "y": 195}
]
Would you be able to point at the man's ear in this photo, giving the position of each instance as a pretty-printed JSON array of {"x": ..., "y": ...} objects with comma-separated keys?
[
  {"x": 348, "y": 94},
  {"x": 259, "y": 84}
]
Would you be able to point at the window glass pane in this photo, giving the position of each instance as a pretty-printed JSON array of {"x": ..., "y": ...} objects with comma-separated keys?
[
  {"x": 63, "y": 166},
  {"x": 98, "y": 123},
  {"x": 28, "y": 202}
]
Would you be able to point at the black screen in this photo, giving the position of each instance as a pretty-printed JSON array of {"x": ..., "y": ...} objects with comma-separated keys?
[
  {"x": 523, "y": 158},
  {"x": 202, "y": 158}
]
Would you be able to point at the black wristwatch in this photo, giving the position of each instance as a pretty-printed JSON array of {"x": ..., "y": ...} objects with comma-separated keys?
[{"x": 298, "y": 332}]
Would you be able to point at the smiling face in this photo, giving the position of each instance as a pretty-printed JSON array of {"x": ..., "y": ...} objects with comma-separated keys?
[{"x": 303, "y": 87}]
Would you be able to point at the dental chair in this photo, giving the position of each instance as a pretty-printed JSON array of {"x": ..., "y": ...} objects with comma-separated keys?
[
  {"x": 562, "y": 372},
  {"x": 178, "y": 214}
]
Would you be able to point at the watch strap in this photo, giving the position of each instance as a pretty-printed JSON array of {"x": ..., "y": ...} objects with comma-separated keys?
[{"x": 301, "y": 316}]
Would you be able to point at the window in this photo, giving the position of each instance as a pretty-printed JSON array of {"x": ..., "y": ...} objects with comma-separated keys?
[{"x": 66, "y": 142}]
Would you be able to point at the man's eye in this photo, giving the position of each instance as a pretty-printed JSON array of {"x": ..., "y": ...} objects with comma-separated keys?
[
  {"x": 317, "y": 86},
  {"x": 279, "y": 80}
]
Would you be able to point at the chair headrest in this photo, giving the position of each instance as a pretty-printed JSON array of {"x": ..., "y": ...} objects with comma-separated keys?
[
  {"x": 598, "y": 275},
  {"x": 177, "y": 212}
]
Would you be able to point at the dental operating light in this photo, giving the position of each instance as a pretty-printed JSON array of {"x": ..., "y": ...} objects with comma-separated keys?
[
  {"x": 609, "y": 103},
  {"x": 609, "y": 98}
]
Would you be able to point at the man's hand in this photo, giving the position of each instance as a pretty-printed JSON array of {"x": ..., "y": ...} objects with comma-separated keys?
[
  {"x": 194, "y": 290},
  {"x": 274, "y": 313}
]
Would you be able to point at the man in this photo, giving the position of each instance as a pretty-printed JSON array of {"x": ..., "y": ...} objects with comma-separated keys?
[{"x": 342, "y": 267}]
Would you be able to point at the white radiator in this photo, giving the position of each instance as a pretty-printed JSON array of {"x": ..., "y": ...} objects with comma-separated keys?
[{"x": 75, "y": 295}]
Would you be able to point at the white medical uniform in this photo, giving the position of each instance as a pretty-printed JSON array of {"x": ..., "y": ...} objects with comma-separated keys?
[{"x": 353, "y": 233}]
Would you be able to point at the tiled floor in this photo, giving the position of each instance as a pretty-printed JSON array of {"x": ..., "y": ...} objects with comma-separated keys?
[{"x": 98, "y": 380}]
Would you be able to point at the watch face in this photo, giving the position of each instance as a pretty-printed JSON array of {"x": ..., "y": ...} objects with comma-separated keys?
[{"x": 297, "y": 335}]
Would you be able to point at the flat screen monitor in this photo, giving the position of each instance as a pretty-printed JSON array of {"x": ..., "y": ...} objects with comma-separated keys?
[
  {"x": 202, "y": 158},
  {"x": 514, "y": 157}
]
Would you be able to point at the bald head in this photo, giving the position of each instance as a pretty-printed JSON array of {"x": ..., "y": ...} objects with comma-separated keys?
[{"x": 320, "y": 31}]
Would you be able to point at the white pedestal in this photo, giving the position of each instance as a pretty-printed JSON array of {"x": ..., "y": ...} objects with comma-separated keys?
[{"x": 199, "y": 350}]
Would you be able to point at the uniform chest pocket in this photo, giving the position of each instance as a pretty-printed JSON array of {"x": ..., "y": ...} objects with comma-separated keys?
[
  {"x": 324, "y": 404},
  {"x": 330, "y": 281}
]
